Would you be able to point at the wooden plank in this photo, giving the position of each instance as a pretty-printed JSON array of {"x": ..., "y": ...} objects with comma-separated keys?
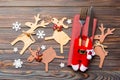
[
  {"x": 8, "y": 56},
  {"x": 9, "y": 15},
  {"x": 65, "y": 75},
  {"x": 108, "y": 13},
  {"x": 54, "y": 3},
  {"x": 113, "y": 53},
  {"x": 60, "y": 75},
  {"x": 7, "y": 35}
]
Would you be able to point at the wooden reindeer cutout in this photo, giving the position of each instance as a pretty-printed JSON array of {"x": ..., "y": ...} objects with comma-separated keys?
[
  {"x": 99, "y": 47},
  {"x": 34, "y": 26},
  {"x": 26, "y": 37},
  {"x": 61, "y": 37},
  {"x": 46, "y": 57},
  {"x": 35, "y": 55}
]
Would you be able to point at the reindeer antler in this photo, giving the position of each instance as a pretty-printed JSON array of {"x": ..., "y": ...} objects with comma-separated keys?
[
  {"x": 102, "y": 29},
  {"x": 62, "y": 22},
  {"x": 38, "y": 48},
  {"x": 43, "y": 23},
  {"x": 37, "y": 19},
  {"x": 64, "y": 18},
  {"x": 109, "y": 31},
  {"x": 30, "y": 49},
  {"x": 34, "y": 26},
  {"x": 102, "y": 36}
]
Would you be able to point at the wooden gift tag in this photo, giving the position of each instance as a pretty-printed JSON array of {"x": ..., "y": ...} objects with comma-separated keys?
[
  {"x": 99, "y": 47},
  {"x": 58, "y": 35},
  {"x": 46, "y": 57},
  {"x": 26, "y": 36}
]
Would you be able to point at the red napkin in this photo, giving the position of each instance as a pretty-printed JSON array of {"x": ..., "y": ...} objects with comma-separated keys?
[{"x": 76, "y": 29}]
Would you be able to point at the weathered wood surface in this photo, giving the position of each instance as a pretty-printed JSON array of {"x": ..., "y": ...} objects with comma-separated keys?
[
  {"x": 108, "y": 13},
  {"x": 54, "y": 3}
]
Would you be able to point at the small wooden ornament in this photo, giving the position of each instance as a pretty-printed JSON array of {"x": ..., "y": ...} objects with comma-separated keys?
[
  {"x": 58, "y": 35},
  {"x": 79, "y": 28},
  {"x": 100, "y": 51},
  {"x": 35, "y": 55},
  {"x": 99, "y": 47},
  {"x": 36, "y": 24},
  {"x": 46, "y": 57},
  {"x": 103, "y": 35},
  {"x": 26, "y": 36}
]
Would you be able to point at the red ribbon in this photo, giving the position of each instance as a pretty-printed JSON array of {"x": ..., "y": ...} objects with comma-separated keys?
[
  {"x": 38, "y": 57},
  {"x": 58, "y": 28},
  {"x": 90, "y": 53}
]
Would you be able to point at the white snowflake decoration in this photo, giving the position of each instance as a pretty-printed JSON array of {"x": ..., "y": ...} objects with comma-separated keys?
[
  {"x": 43, "y": 47},
  {"x": 40, "y": 34},
  {"x": 69, "y": 21},
  {"x": 62, "y": 65},
  {"x": 17, "y": 63},
  {"x": 15, "y": 49},
  {"x": 16, "y": 26}
]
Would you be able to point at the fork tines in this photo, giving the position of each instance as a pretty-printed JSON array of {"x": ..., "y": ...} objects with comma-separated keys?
[{"x": 83, "y": 13}]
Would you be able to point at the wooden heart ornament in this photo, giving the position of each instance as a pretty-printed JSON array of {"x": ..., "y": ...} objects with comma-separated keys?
[
  {"x": 58, "y": 35},
  {"x": 46, "y": 57}
]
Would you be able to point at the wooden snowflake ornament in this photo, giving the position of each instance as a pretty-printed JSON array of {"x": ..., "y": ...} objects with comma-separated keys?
[
  {"x": 58, "y": 35},
  {"x": 26, "y": 36},
  {"x": 40, "y": 34},
  {"x": 15, "y": 49},
  {"x": 69, "y": 21},
  {"x": 43, "y": 47},
  {"x": 16, "y": 26},
  {"x": 17, "y": 63},
  {"x": 99, "y": 47},
  {"x": 46, "y": 57},
  {"x": 62, "y": 65}
]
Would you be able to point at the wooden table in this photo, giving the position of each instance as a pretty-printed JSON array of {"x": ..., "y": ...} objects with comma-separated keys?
[{"x": 108, "y": 13}]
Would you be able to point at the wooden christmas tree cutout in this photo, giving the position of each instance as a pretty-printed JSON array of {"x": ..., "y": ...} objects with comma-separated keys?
[
  {"x": 58, "y": 35},
  {"x": 26, "y": 36},
  {"x": 46, "y": 57},
  {"x": 99, "y": 47}
]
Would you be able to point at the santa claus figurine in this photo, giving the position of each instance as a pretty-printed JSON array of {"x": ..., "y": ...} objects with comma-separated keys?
[
  {"x": 81, "y": 48},
  {"x": 82, "y": 53}
]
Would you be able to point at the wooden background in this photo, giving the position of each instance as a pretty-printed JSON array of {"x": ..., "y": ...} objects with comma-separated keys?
[{"x": 107, "y": 12}]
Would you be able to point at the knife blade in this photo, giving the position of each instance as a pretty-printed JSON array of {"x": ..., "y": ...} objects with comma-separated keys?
[{"x": 91, "y": 15}]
